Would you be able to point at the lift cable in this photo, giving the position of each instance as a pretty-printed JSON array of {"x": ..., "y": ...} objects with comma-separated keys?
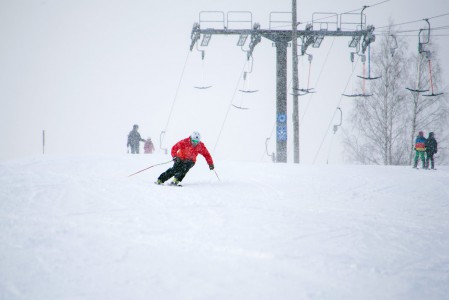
[
  {"x": 317, "y": 81},
  {"x": 411, "y": 22},
  {"x": 333, "y": 116},
  {"x": 229, "y": 107},
  {"x": 350, "y": 11},
  {"x": 387, "y": 32},
  {"x": 176, "y": 95}
]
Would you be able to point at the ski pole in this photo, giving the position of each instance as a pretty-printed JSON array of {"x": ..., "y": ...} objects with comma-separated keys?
[
  {"x": 217, "y": 175},
  {"x": 150, "y": 167}
]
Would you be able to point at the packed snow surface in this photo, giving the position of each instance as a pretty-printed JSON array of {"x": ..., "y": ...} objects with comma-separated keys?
[{"x": 77, "y": 227}]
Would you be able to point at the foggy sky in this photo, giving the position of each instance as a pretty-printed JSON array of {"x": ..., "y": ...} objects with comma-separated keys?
[{"x": 86, "y": 71}]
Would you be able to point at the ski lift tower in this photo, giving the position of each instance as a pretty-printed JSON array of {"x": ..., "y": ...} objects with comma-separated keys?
[{"x": 323, "y": 24}]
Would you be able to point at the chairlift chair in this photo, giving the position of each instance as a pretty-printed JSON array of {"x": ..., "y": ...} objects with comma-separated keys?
[
  {"x": 341, "y": 120},
  {"x": 394, "y": 46},
  {"x": 308, "y": 90},
  {"x": 362, "y": 94},
  {"x": 303, "y": 91},
  {"x": 421, "y": 44},
  {"x": 245, "y": 89},
  {"x": 202, "y": 87},
  {"x": 369, "y": 67},
  {"x": 246, "y": 85},
  {"x": 357, "y": 95},
  {"x": 240, "y": 107},
  {"x": 433, "y": 94}
]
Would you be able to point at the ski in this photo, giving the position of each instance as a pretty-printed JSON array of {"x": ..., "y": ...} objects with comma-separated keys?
[{"x": 170, "y": 184}]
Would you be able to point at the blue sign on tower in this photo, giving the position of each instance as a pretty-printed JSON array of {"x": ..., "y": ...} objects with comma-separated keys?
[
  {"x": 281, "y": 128},
  {"x": 282, "y": 118}
]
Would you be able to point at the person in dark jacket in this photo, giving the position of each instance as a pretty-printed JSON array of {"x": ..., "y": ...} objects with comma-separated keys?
[
  {"x": 420, "y": 148},
  {"x": 431, "y": 149},
  {"x": 184, "y": 155},
  {"x": 133, "y": 140}
]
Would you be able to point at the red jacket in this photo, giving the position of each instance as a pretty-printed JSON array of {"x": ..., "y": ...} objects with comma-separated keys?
[{"x": 186, "y": 151}]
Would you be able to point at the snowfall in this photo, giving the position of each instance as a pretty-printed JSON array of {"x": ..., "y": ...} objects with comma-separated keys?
[{"x": 78, "y": 227}]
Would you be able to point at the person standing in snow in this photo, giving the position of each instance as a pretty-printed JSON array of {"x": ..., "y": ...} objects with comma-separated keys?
[
  {"x": 133, "y": 140},
  {"x": 184, "y": 155},
  {"x": 148, "y": 147},
  {"x": 431, "y": 149},
  {"x": 420, "y": 148}
]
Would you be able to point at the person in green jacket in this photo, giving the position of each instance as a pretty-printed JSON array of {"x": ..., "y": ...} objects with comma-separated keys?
[{"x": 420, "y": 148}]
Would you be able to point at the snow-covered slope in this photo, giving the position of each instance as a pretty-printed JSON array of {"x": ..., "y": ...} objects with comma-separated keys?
[{"x": 80, "y": 228}]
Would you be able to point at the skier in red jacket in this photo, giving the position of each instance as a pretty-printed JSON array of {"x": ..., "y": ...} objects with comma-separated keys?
[{"x": 184, "y": 155}]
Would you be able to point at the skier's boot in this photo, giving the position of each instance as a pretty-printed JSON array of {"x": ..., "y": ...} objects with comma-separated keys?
[
  {"x": 159, "y": 182},
  {"x": 175, "y": 181}
]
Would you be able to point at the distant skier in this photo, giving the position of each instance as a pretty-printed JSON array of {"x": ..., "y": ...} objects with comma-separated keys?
[
  {"x": 184, "y": 155},
  {"x": 431, "y": 149},
  {"x": 148, "y": 147},
  {"x": 133, "y": 140},
  {"x": 420, "y": 148}
]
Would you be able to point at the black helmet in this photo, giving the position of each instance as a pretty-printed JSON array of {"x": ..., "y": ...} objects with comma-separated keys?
[{"x": 135, "y": 126}]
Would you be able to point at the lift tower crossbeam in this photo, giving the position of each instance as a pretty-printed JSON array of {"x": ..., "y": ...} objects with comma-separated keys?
[{"x": 281, "y": 39}]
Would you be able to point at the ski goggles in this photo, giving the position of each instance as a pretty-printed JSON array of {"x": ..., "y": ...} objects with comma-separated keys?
[{"x": 195, "y": 141}]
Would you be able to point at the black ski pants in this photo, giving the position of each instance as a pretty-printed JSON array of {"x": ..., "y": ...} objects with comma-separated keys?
[
  {"x": 179, "y": 170},
  {"x": 430, "y": 158}
]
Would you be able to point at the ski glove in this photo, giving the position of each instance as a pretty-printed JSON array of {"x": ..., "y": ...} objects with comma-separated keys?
[
  {"x": 176, "y": 159},
  {"x": 211, "y": 166}
]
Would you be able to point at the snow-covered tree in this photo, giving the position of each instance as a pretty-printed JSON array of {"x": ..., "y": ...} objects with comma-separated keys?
[{"x": 379, "y": 133}]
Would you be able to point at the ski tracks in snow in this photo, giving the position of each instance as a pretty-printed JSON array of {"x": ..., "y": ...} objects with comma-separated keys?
[{"x": 275, "y": 230}]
